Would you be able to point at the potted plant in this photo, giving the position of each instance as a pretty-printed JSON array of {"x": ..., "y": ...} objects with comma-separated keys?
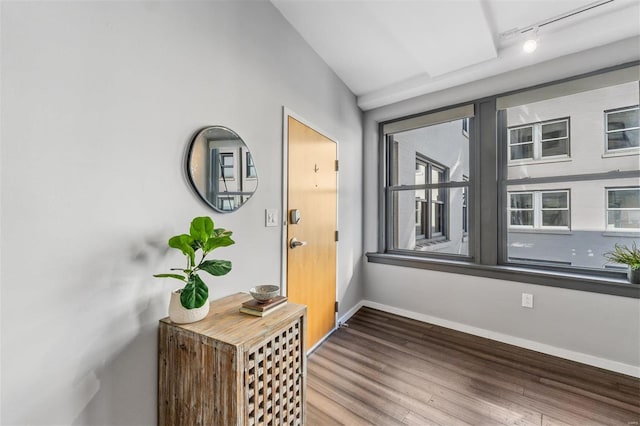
[
  {"x": 191, "y": 303},
  {"x": 629, "y": 256}
]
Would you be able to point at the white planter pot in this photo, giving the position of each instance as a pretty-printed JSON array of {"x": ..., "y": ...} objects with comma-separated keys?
[{"x": 181, "y": 315}]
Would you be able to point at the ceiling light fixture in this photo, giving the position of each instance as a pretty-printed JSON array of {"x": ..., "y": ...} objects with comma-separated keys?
[
  {"x": 531, "y": 31},
  {"x": 531, "y": 44}
]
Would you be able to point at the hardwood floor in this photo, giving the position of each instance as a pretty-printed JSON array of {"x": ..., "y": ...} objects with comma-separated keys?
[{"x": 382, "y": 369}]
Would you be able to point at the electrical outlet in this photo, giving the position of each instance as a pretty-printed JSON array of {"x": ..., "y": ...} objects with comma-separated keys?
[
  {"x": 271, "y": 217},
  {"x": 527, "y": 300}
]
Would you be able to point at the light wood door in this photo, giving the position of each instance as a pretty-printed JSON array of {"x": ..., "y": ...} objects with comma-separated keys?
[{"x": 312, "y": 191}]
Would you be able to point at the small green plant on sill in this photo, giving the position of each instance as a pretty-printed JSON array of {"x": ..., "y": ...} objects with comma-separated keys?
[
  {"x": 202, "y": 236},
  {"x": 626, "y": 255}
]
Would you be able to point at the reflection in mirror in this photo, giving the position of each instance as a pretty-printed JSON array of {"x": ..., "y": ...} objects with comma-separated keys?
[{"x": 221, "y": 168}]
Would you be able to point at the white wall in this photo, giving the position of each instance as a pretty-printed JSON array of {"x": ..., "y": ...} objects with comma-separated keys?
[
  {"x": 597, "y": 328},
  {"x": 99, "y": 101}
]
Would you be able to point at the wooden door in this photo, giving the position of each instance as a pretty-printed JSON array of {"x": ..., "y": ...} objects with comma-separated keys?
[{"x": 312, "y": 191}]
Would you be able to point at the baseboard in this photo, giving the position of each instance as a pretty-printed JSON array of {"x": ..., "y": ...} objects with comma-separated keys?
[
  {"x": 606, "y": 364},
  {"x": 344, "y": 318}
]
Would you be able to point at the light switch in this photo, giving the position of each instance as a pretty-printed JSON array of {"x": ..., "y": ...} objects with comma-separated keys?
[{"x": 271, "y": 217}]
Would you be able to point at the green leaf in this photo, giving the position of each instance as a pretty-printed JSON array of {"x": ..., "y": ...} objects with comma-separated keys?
[
  {"x": 215, "y": 242},
  {"x": 201, "y": 228},
  {"x": 183, "y": 243},
  {"x": 221, "y": 232},
  {"x": 176, "y": 276},
  {"x": 195, "y": 293},
  {"x": 216, "y": 267}
]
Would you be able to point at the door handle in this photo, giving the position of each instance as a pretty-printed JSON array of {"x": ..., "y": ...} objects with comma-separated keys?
[{"x": 295, "y": 243}]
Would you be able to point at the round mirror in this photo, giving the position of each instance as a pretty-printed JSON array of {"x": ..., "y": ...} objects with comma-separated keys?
[{"x": 221, "y": 169}]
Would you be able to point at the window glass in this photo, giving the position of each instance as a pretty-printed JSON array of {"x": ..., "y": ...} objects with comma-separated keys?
[
  {"x": 623, "y": 209},
  {"x": 564, "y": 184},
  {"x": 521, "y": 143},
  {"x": 427, "y": 215},
  {"x": 554, "y": 200},
  {"x": 251, "y": 168},
  {"x": 539, "y": 141},
  {"x": 623, "y": 129},
  {"x": 226, "y": 165},
  {"x": 226, "y": 203},
  {"x": 554, "y": 130},
  {"x": 560, "y": 214}
]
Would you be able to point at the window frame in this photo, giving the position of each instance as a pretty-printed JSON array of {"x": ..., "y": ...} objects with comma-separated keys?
[
  {"x": 224, "y": 167},
  {"x": 537, "y": 142},
  {"x": 226, "y": 203},
  {"x": 537, "y": 210},
  {"x": 487, "y": 190},
  {"x": 387, "y": 229},
  {"x": 607, "y": 132},
  {"x": 608, "y": 209},
  {"x": 430, "y": 236},
  {"x": 250, "y": 166}
]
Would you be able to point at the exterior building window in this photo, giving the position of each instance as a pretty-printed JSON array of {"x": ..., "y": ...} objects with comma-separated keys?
[
  {"x": 539, "y": 140},
  {"x": 622, "y": 129},
  {"x": 227, "y": 166},
  {"x": 623, "y": 209},
  {"x": 539, "y": 210},
  {"x": 251, "y": 168},
  {"x": 226, "y": 203},
  {"x": 431, "y": 206}
]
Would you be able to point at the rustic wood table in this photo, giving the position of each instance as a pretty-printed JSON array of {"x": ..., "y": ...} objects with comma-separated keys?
[{"x": 232, "y": 368}]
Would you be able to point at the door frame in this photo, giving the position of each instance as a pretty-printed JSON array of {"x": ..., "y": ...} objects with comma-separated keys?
[{"x": 286, "y": 113}]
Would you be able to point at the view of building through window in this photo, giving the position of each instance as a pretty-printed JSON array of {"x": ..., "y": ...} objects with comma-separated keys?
[
  {"x": 431, "y": 215},
  {"x": 568, "y": 201},
  {"x": 545, "y": 179}
]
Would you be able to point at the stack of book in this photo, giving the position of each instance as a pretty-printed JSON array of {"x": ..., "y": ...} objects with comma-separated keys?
[{"x": 260, "y": 309}]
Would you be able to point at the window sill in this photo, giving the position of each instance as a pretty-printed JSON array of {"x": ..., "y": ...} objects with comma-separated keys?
[
  {"x": 629, "y": 234},
  {"x": 609, "y": 284},
  {"x": 539, "y": 231},
  {"x": 543, "y": 161},
  {"x": 621, "y": 153}
]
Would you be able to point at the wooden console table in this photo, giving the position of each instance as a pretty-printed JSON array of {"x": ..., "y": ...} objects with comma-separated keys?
[{"x": 233, "y": 369}]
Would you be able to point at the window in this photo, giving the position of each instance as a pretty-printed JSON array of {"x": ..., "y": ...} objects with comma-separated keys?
[
  {"x": 226, "y": 203},
  {"x": 539, "y": 210},
  {"x": 431, "y": 204},
  {"x": 622, "y": 129},
  {"x": 227, "y": 166},
  {"x": 492, "y": 204},
  {"x": 428, "y": 185},
  {"x": 623, "y": 209},
  {"x": 251, "y": 168},
  {"x": 539, "y": 141}
]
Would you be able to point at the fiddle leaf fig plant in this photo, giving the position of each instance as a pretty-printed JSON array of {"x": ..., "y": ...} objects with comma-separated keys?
[{"x": 205, "y": 238}]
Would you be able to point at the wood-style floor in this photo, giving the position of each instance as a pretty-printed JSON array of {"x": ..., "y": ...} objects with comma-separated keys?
[{"x": 383, "y": 369}]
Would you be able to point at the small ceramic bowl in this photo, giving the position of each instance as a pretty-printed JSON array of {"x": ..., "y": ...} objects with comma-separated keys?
[{"x": 264, "y": 293}]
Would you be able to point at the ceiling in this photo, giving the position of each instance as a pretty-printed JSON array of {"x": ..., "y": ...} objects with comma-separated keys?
[{"x": 390, "y": 50}]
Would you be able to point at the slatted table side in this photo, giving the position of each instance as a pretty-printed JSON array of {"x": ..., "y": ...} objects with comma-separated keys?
[{"x": 275, "y": 376}]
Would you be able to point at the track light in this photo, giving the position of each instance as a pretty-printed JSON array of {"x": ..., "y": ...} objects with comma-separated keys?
[
  {"x": 531, "y": 44},
  {"x": 531, "y": 31}
]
